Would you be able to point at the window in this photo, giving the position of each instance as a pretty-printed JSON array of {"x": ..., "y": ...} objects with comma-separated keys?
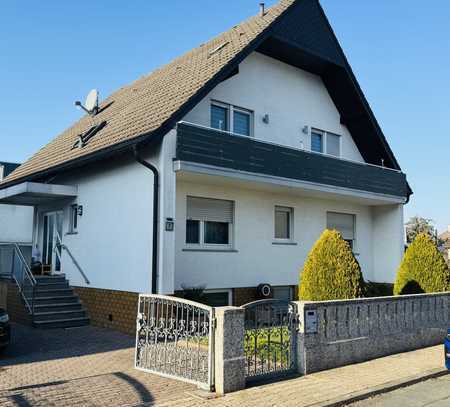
[
  {"x": 231, "y": 118},
  {"x": 73, "y": 222},
  {"x": 219, "y": 117},
  {"x": 282, "y": 293},
  {"x": 316, "y": 142},
  {"x": 209, "y": 222},
  {"x": 345, "y": 224},
  {"x": 217, "y": 298},
  {"x": 241, "y": 122},
  {"x": 283, "y": 223},
  {"x": 333, "y": 144},
  {"x": 322, "y": 141}
]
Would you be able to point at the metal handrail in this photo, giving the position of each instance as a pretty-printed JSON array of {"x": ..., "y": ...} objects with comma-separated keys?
[
  {"x": 26, "y": 272},
  {"x": 74, "y": 261}
]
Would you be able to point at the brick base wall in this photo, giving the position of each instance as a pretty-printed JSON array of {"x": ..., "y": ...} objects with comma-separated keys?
[
  {"x": 244, "y": 295},
  {"x": 110, "y": 308},
  {"x": 12, "y": 300}
]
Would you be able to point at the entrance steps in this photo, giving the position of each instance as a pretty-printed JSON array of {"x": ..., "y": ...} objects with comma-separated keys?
[{"x": 56, "y": 305}]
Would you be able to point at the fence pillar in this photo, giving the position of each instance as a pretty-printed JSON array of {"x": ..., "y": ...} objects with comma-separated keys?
[
  {"x": 301, "y": 349},
  {"x": 229, "y": 350}
]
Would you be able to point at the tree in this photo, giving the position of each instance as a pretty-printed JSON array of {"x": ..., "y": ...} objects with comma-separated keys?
[
  {"x": 417, "y": 225},
  {"x": 331, "y": 271},
  {"x": 423, "y": 268}
]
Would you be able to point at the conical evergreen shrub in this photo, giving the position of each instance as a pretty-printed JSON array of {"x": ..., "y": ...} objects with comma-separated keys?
[
  {"x": 423, "y": 269},
  {"x": 331, "y": 271}
]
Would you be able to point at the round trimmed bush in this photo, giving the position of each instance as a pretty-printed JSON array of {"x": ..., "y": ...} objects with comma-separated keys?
[
  {"x": 423, "y": 269},
  {"x": 331, "y": 272}
]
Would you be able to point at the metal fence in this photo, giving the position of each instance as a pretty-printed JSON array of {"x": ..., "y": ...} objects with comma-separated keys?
[
  {"x": 270, "y": 339},
  {"x": 175, "y": 338}
]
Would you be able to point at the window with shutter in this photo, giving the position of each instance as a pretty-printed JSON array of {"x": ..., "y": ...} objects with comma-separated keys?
[
  {"x": 283, "y": 222},
  {"x": 209, "y": 222},
  {"x": 345, "y": 224}
]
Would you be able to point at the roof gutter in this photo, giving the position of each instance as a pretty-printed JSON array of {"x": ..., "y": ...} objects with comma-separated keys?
[{"x": 155, "y": 172}]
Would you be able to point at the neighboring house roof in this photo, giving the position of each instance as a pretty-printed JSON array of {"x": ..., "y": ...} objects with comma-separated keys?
[
  {"x": 445, "y": 237},
  {"x": 294, "y": 31},
  {"x": 8, "y": 168}
]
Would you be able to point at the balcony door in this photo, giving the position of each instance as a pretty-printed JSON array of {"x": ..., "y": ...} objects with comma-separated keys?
[{"x": 51, "y": 240}]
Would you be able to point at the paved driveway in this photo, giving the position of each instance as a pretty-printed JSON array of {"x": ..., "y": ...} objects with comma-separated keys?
[{"x": 85, "y": 366}]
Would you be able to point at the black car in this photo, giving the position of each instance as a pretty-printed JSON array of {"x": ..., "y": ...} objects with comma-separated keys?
[{"x": 5, "y": 329}]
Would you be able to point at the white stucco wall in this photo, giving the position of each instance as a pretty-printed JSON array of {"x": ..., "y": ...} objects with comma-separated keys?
[
  {"x": 114, "y": 240},
  {"x": 257, "y": 260},
  {"x": 292, "y": 98},
  {"x": 16, "y": 223},
  {"x": 389, "y": 243}
]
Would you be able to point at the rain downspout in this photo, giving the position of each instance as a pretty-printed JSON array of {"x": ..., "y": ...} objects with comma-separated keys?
[{"x": 155, "y": 172}]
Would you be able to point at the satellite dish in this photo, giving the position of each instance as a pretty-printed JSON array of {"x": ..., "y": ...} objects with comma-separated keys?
[
  {"x": 91, "y": 100},
  {"x": 91, "y": 104}
]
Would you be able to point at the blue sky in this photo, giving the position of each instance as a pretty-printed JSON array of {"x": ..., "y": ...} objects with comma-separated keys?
[{"x": 52, "y": 53}]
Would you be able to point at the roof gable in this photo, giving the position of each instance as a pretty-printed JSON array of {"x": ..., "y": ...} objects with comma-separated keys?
[{"x": 295, "y": 31}]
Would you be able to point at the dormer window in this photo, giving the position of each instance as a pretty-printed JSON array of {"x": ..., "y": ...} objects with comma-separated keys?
[{"x": 84, "y": 138}]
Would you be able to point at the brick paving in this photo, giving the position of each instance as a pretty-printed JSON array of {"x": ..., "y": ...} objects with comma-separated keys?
[
  {"x": 85, "y": 366},
  {"x": 94, "y": 367}
]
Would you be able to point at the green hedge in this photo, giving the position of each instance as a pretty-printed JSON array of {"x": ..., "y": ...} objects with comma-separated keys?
[
  {"x": 331, "y": 271},
  {"x": 423, "y": 269}
]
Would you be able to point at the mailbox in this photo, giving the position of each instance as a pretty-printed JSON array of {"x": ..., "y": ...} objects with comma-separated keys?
[{"x": 310, "y": 322}]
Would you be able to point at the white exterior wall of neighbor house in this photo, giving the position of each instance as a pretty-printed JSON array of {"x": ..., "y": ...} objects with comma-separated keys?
[
  {"x": 292, "y": 97},
  {"x": 113, "y": 244},
  {"x": 16, "y": 224},
  {"x": 257, "y": 260}
]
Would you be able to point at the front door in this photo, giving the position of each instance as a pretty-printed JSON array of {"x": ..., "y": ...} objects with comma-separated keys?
[{"x": 51, "y": 244}]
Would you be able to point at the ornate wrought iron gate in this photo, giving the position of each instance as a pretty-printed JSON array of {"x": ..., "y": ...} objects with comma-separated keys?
[
  {"x": 270, "y": 339},
  {"x": 175, "y": 338}
]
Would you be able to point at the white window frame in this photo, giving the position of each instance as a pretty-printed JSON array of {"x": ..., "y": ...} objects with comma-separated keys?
[
  {"x": 289, "y": 210},
  {"x": 324, "y": 142},
  {"x": 230, "y": 116},
  {"x": 229, "y": 291},
  {"x": 211, "y": 246},
  {"x": 355, "y": 220}
]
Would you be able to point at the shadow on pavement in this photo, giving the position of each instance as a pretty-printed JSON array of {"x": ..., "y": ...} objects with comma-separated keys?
[{"x": 34, "y": 345}]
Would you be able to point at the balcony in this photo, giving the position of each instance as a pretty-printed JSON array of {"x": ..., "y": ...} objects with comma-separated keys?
[{"x": 215, "y": 148}]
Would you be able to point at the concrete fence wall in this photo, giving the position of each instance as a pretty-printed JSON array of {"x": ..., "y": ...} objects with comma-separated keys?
[
  {"x": 337, "y": 333},
  {"x": 354, "y": 331}
]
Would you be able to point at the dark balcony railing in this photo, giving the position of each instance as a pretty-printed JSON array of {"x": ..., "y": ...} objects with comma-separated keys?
[{"x": 221, "y": 149}]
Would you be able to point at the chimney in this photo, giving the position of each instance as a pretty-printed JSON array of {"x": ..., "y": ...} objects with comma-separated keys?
[{"x": 262, "y": 9}]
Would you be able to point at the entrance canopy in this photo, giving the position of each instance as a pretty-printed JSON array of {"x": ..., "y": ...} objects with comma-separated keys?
[{"x": 33, "y": 193}]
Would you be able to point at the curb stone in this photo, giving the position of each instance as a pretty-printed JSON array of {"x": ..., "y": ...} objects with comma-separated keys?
[{"x": 381, "y": 389}]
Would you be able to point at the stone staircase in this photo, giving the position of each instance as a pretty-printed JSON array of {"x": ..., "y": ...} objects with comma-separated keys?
[{"x": 56, "y": 305}]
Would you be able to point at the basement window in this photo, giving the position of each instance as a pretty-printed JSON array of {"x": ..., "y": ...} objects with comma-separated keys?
[{"x": 84, "y": 138}]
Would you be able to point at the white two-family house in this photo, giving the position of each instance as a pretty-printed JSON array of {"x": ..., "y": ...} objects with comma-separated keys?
[{"x": 220, "y": 169}]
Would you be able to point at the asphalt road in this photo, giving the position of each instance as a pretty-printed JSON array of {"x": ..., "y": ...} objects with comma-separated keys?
[{"x": 431, "y": 393}]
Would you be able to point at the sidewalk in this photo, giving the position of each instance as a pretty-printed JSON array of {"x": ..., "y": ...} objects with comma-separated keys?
[{"x": 334, "y": 386}]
